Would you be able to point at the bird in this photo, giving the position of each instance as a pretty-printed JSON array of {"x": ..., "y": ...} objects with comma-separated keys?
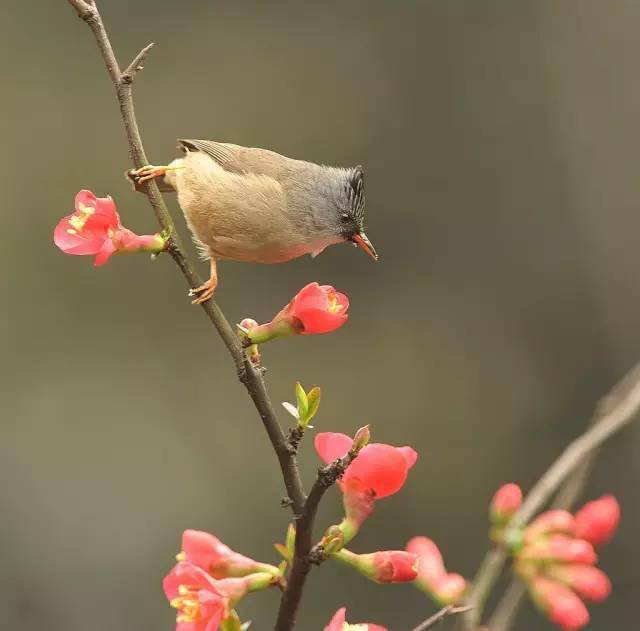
[{"x": 255, "y": 205}]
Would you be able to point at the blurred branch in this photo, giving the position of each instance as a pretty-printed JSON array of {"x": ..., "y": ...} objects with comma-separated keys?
[
  {"x": 613, "y": 413},
  {"x": 439, "y": 616},
  {"x": 248, "y": 374}
]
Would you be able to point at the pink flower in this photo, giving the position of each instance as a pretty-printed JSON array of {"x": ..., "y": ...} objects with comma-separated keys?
[
  {"x": 202, "y": 601},
  {"x": 446, "y": 588},
  {"x": 213, "y": 556},
  {"x": 559, "y": 548},
  {"x": 378, "y": 468},
  {"x": 590, "y": 583},
  {"x": 598, "y": 520},
  {"x": 314, "y": 309},
  {"x": 551, "y": 521},
  {"x": 505, "y": 503},
  {"x": 338, "y": 623},
  {"x": 317, "y": 308},
  {"x": 94, "y": 228},
  {"x": 559, "y": 604}
]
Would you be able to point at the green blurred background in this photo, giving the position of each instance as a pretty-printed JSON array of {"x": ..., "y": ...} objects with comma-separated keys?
[{"x": 500, "y": 142}]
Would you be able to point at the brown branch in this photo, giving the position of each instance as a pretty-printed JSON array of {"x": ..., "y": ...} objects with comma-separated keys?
[
  {"x": 439, "y": 616},
  {"x": 302, "y": 560},
  {"x": 613, "y": 413},
  {"x": 249, "y": 375}
]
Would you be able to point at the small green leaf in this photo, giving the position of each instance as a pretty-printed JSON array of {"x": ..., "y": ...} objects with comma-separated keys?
[
  {"x": 313, "y": 401},
  {"x": 303, "y": 403},
  {"x": 282, "y": 551},
  {"x": 290, "y": 540}
]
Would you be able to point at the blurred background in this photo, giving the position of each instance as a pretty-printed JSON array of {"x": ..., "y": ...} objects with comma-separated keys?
[{"x": 500, "y": 142}]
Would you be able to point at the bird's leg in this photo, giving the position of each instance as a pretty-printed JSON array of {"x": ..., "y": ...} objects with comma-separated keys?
[
  {"x": 206, "y": 290},
  {"x": 147, "y": 172}
]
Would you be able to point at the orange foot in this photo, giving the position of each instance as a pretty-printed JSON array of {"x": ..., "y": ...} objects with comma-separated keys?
[
  {"x": 147, "y": 173},
  {"x": 204, "y": 292}
]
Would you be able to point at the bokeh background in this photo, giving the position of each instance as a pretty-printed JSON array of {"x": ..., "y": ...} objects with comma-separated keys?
[{"x": 500, "y": 141}]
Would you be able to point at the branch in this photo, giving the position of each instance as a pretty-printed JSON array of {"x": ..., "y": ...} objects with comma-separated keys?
[
  {"x": 439, "y": 616},
  {"x": 302, "y": 560},
  {"x": 613, "y": 413},
  {"x": 249, "y": 375}
]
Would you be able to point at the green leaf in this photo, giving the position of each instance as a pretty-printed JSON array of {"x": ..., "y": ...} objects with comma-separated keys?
[
  {"x": 313, "y": 401},
  {"x": 303, "y": 403}
]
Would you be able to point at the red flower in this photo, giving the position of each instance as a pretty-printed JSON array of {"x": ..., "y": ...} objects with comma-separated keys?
[
  {"x": 551, "y": 521},
  {"x": 559, "y": 603},
  {"x": 314, "y": 309},
  {"x": 559, "y": 548},
  {"x": 317, "y": 308},
  {"x": 598, "y": 520},
  {"x": 590, "y": 583},
  {"x": 202, "y": 601},
  {"x": 213, "y": 556},
  {"x": 378, "y": 468},
  {"x": 95, "y": 228},
  {"x": 338, "y": 623},
  {"x": 433, "y": 578},
  {"x": 505, "y": 503}
]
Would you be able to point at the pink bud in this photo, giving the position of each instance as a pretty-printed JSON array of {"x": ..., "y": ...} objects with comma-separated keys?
[
  {"x": 433, "y": 578},
  {"x": 506, "y": 501},
  {"x": 559, "y": 548},
  {"x": 388, "y": 566},
  {"x": 598, "y": 520},
  {"x": 248, "y": 324},
  {"x": 551, "y": 521},
  {"x": 587, "y": 581},
  {"x": 559, "y": 603}
]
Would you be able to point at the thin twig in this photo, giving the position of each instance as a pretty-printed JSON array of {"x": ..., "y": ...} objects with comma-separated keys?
[
  {"x": 136, "y": 65},
  {"x": 302, "y": 561},
  {"x": 439, "y": 616},
  {"x": 613, "y": 413},
  {"x": 250, "y": 376}
]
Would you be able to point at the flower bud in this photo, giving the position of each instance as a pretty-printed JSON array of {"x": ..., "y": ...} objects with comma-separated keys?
[
  {"x": 506, "y": 501},
  {"x": 559, "y": 604},
  {"x": 445, "y": 588},
  {"x": 590, "y": 583},
  {"x": 559, "y": 548},
  {"x": 361, "y": 438},
  {"x": 551, "y": 521},
  {"x": 598, "y": 520},
  {"x": 389, "y": 566}
]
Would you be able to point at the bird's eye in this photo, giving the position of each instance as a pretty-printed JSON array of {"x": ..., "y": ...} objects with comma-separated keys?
[{"x": 344, "y": 217}]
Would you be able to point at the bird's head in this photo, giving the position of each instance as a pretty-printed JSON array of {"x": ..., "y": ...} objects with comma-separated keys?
[{"x": 350, "y": 208}]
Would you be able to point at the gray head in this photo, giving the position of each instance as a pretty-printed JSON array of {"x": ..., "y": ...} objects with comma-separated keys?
[{"x": 346, "y": 198}]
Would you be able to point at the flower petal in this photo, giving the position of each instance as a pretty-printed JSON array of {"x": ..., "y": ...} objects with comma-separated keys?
[{"x": 331, "y": 445}]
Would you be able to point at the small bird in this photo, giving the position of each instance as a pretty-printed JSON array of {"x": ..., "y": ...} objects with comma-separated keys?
[{"x": 255, "y": 205}]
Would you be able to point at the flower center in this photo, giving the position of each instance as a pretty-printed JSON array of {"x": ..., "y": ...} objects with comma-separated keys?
[
  {"x": 77, "y": 221},
  {"x": 187, "y": 604},
  {"x": 332, "y": 302}
]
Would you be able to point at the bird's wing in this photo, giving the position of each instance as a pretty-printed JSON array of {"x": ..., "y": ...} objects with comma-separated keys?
[{"x": 237, "y": 159}]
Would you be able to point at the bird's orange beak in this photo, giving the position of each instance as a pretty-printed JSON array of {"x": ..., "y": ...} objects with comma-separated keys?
[{"x": 362, "y": 241}]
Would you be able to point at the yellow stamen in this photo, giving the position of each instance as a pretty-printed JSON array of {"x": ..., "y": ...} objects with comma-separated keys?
[
  {"x": 77, "y": 222},
  {"x": 181, "y": 556},
  {"x": 332, "y": 303},
  {"x": 72, "y": 231},
  {"x": 187, "y": 604},
  {"x": 86, "y": 210}
]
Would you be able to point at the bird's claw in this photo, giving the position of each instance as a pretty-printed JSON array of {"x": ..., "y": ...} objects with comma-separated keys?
[
  {"x": 204, "y": 292},
  {"x": 146, "y": 173}
]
